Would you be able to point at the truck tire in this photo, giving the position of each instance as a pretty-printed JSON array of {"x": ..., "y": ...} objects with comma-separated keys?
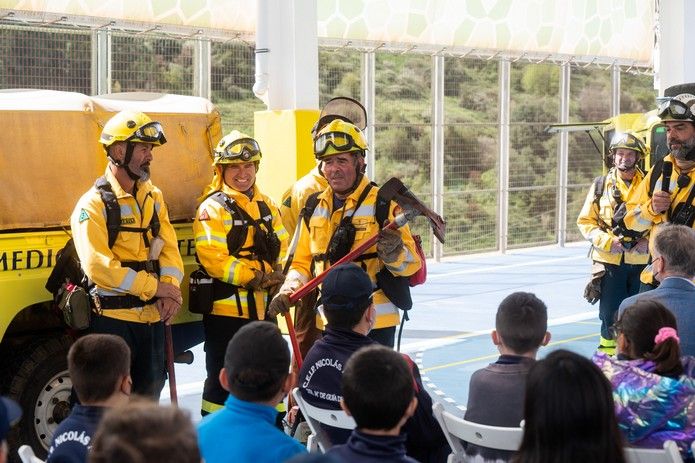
[{"x": 42, "y": 387}]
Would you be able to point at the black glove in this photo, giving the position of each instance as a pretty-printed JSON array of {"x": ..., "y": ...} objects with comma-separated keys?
[
  {"x": 279, "y": 305},
  {"x": 389, "y": 245},
  {"x": 263, "y": 280}
]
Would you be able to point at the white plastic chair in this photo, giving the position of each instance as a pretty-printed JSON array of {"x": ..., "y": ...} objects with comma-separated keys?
[
  {"x": 456, "y": 429},
  {"x": 669, "y": 454},
  {"x": 315, "y": 416},
  {"x": 26, "y": 454}
]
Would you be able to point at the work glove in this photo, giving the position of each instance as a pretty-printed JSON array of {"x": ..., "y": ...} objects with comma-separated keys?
[
  {"x": 592, "y": 291},
  {"x": 389, "y": 245},
  {"x": 616, "y": 246},
  {"x": 279, "y": 305},
  {"x": 262, "y": 280}
]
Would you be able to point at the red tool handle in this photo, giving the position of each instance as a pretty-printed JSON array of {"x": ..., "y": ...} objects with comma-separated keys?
[
  {"x": 293, "y": 339},
  {"x": 168, "y": 340},
  {"x": 349, "y": 257}
]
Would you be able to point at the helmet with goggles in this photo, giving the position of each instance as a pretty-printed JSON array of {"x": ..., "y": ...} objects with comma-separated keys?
[
  {"x": 339, "y": 137},
  {"x": 678, "y": 108},
  {"x": 131, "y": 126},
  {"x": 236, "y": 148},
  {"x": 629, "y": 141}
]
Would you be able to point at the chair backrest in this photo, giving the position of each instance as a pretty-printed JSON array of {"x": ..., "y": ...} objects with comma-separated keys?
[
  {"x": 316, "y": 416},
  {"x": 456, "y": 429},
  {"x": 669, "y": 454},
  {"x": 26, "y": 454}
]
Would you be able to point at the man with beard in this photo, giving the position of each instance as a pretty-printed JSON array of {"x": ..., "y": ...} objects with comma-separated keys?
[
  {"x": 136, "y": 286},
  {"x": 343, "y": 218},
  {"x": 658, "y": 201},
  {"x": 620, "y": 253}
]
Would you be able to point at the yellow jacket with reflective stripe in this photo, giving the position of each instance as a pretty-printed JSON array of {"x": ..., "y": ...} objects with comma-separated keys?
[
  {"x": 314, "y": 240},
  {"x": 103, "y": 265},
  {"x": 294, "y": 199},
  {"x": 593, "y": 217},
  {"x": 211, "y": 225},
  {"x": 640, "y": 215}
]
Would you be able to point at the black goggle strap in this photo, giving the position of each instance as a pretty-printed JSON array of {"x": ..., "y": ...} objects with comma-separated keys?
[{"x": 339, "y": 140}]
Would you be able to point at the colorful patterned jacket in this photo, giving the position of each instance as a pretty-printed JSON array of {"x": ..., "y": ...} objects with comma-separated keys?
[{"x": 652, "y": 408}]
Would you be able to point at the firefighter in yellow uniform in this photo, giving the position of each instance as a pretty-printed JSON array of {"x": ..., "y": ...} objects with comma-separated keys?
[
  {"x": 239, "y": 238},
  {"x": 621, "y": 253},
  {"x": 294, "y": 200},
  {"x": 135, "y": 263},
  {"x": 658, "y": 201},
  {"x": 344, "y": 217}
]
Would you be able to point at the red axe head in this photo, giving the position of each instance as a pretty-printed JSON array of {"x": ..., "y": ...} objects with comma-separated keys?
[{"x": 395, "y": 190}]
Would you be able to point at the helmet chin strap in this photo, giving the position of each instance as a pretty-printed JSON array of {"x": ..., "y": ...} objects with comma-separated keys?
[{"x": 130, "y": 147}]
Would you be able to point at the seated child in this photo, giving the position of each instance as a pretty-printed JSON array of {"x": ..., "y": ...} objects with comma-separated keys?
[
  {"x": 653, "y": 386},
  {"x": 496, "y": 392},
  {"x": 379, "y": 393},
  {"x": 569, "y": 414}
]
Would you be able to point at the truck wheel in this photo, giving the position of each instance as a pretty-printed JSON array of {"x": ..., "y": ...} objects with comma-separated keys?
[{"x": 42, "y": 387}]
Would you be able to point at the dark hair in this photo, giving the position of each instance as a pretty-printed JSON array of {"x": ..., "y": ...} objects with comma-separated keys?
[
  {"x": 143, "y": 432},
  {"x": 257, "y": 362},
  {"x": 377, "y": 387},
  {"x": 97, "y": 362},
  {"x": 522, "y": 321},
  {"x": 640, "y": 323},
  {"x": 569, "y": 413},
  {"x": 344, "y": 318},
  {"x": 676, "y": 243}
]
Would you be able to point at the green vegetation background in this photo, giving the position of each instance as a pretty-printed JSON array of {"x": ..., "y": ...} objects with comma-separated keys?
[{"x": 61, "y": 59}]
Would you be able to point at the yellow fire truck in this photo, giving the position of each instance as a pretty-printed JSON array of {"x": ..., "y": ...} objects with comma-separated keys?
[{"x": 50, "y": 156}]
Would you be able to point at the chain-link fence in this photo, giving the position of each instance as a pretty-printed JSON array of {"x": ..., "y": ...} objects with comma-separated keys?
[
  {"x": 62, "y": 58},
  {"x": 471, "y": 152},
  {"x": 45, "y": 58}
]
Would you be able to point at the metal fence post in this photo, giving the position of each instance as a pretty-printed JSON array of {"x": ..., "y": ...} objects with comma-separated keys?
[
  {"x": 202, "y": 68},
  {"x": 101, "y": 62},
  {"x": 437, "y": 152},
  {"x": 615, "y": 90},
  {"x": 563, "y": 155},
  {"x": 503, "y": 177},
  {"x": 368, "y": 100}
]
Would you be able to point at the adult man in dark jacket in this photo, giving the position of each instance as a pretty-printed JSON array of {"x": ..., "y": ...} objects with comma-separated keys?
[{"x": 346, "y": 299}]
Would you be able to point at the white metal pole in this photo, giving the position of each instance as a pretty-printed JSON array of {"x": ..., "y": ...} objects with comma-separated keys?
[
  {"x": 437, "y": 155},
  {"x": 563, "y": 155},
  {"x": 503, "y": 185}
]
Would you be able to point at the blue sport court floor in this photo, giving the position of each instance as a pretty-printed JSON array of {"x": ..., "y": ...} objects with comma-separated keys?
[{"x": 448, "y": 334}]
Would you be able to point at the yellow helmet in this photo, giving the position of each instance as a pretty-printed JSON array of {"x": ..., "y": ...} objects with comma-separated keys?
[
  {"x": 339, "y": 137},
  {"x": 630, "y": 141},
  {"x": 134, "y": 127},
  {"x": 235, "y": 148}
]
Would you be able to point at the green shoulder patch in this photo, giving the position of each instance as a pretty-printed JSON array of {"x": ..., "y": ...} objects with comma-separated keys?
[
  {"x": 287, "y": 202},
  {"x": 83, "y": 216}
]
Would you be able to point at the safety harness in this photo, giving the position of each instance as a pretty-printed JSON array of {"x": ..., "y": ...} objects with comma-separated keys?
[
  {"x": 617, "y": 226},
  {"x": 69, "y": 270},
  {"x": 266, "y": 246},
  {"x": 683, "y": 213}
]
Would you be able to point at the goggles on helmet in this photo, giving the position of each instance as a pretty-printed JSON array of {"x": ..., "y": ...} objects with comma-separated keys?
[
  {"x": 676, "y": 109},
  {"x": 340, "y": 141},
  {"x": 629, "y": 141},
  {"x": 149, "y": 133},
  {"x": 242, "y": 149}
]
